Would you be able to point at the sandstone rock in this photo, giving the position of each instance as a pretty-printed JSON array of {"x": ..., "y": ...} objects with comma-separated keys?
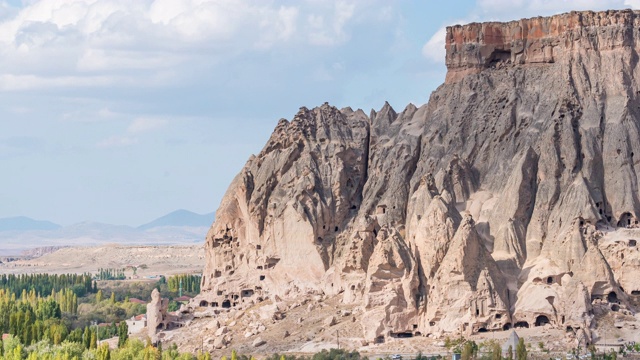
[
  {"x": 258, "y": 342},
  {"x": 510, "y": 198},
  {"x": 330, "y": 321},
  {"x": 221, "y": 331},
  {"x": 218, "y": 343},
  {"x": 157, "y": 317}
]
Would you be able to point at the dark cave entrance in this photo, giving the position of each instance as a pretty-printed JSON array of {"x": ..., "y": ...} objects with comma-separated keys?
[{"x": 542, "y": 320}]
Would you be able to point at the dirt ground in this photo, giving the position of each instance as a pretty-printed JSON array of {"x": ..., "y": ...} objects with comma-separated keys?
[
  {"x": 304, "y": 329},
  {"x": 149, "y": 261}
]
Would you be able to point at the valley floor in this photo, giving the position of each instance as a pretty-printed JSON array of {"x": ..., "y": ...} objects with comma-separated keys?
[{"x": 148, "y": 261}]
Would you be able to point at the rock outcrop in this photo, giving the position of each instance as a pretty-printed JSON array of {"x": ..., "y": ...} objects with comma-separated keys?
[
  {"x": 509, "y": 200},
  {"x": 157, "y": 318}
]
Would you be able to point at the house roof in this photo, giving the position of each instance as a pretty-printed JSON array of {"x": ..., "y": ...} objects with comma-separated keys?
[
  {"x": 5, "y": 336},
  {"x": 137, "y": 301},
  {"x": 511, "y": 341},
  {"x": 183, "y": 298},
  {"x": 140, "y": 317}
]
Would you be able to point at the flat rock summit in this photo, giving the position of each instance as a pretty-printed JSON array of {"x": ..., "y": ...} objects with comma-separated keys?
[{"x": 511, "y": 199}]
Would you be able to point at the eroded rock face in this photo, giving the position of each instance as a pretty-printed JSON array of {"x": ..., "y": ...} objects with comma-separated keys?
[
  {"x": 509, "y": 199},
  {"x": 157, "y": 318}
]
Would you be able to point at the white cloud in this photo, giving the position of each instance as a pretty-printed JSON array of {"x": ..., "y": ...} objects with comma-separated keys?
[
  {"x": 117, "y": 141},
  {"x": 137, "y": 127},
  {"x": 434, "y": 48},
  {"x": 145, "y": 124},
  {"x": 634, "y": 4},
  {"x": 516, "y": 9},
  {"x": 328, "y": 30},
  {"x": 89, "y": 43}
]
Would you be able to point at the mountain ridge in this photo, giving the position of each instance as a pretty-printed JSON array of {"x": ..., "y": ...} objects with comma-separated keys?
[{"x": 508, "y": 200}]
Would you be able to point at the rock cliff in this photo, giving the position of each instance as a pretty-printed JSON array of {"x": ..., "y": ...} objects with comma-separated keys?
[{"x": 509, "y": 200}]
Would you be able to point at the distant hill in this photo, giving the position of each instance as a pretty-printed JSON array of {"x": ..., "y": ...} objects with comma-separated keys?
[
  {"x": 23, "y": 223},
  {"x": 180, "y": 218}
]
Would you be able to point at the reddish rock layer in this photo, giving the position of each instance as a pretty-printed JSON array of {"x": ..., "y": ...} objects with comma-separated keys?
[{"x": 477, "y": 46}]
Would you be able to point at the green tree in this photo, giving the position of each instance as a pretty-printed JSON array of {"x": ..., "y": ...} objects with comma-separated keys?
[
  {"x": 469, "y": 350},
  {"x": 94, "y": 340},
  {"x": 123, "y": 333},
  {"x": 496, "y": 351},
  {"x": 113, "y": 297},
  {"x": 510, "y": 353},
  {"x": 99, "y": 296},
  {"x": 86, "y": 338},
  {"x": 521, "y": 350},
  {"x": 103, "y": 352}
]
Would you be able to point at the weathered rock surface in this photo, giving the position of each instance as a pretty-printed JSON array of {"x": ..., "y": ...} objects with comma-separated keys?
[
  {"x": 157, "y": 317},
  {"x": 510, "y": 199}
]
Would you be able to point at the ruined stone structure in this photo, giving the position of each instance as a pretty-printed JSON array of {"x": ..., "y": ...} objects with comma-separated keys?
[
  {"x": 157, "y": 317},
  {"x": 509, "y": 200}
]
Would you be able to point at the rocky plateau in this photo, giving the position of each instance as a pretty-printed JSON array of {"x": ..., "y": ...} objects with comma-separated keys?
[{"x": 509, "y": 200}]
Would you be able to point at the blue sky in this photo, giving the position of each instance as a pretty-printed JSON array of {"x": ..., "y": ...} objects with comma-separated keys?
[{"x": 121, "y": 111}]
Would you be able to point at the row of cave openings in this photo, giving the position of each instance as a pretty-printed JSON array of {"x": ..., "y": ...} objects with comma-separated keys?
[
  {"x": 626, "y": 219},
  {"x": 233, "y": 299},
  {"x": 541, "y": 320}
]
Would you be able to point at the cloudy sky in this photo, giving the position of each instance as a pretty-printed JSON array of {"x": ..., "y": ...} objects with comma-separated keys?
[{"x": 120, "y": 111}]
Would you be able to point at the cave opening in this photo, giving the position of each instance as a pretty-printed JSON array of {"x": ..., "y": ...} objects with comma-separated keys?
[
  {"x": 542, "y": 320},
  {"x": 612, "y": 297},
  {"x": 521, "y": 324},
  {"x": 226, "y": 304}
]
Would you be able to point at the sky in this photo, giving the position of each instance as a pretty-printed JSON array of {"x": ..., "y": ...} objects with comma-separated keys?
[{"x": 121, "y": 111}]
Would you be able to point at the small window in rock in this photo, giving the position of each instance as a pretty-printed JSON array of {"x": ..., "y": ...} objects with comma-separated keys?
[
  {"x": 498, "y": 316},
  {"x": 259, "y": 247},
  {"x": 336, "y": 229},
  {"x": 632, "y": 242},
  {"x": 261, "y": 277},
  {"x": 550, "y": 280},
  {"x": 353, "y": 287}
]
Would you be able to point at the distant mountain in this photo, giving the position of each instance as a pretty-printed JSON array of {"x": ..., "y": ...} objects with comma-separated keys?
[
  {"x": 180, "y": 218},
  {"x": 23, "y": 223},
  {"x": 179, "y": 227}
]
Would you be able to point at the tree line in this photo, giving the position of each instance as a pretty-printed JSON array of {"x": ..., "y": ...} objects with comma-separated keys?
[
  {"x": 44, "y": 284},
  {"x": 190, "y": 283}
]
